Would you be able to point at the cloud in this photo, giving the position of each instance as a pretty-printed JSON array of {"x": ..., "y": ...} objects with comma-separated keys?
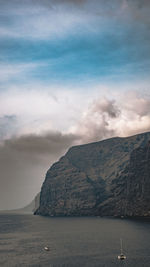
[
  {"x": 53, "y": 19},
  {"x": 95, "y": 121},
  {"x": 8, "y": 126},
  {"x": 139, "y": 10},
  {"x": 9, "y": 71},
  {"x": 77, "y": 40},
  {"x": 25, "y": 156},
  {"x": 23, "y": 163},
  {"x": 105, "y": 106},
  {"x": 41, "y": 108},
  {"x": 106, "y": 118},
  {"x": 49, "y": 143},
  {"x": 83, "y": 112},
  {"x": 40, "y": 20}
]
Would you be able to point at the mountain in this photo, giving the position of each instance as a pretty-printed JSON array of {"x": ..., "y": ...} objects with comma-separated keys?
[{"x": 88, "y": 180}]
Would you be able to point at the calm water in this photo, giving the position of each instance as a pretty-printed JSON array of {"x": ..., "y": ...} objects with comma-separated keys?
[{"x": 72, "y": 241}]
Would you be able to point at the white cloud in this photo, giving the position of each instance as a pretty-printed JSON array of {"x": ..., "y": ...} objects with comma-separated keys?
[
  {"x": 12, "y": 70},
  {"x": 93, "y": 114},
  {"x": 39, "y": 108},
  {"x": 105, "y": 118},
  {"x": 45, "y": 23}
]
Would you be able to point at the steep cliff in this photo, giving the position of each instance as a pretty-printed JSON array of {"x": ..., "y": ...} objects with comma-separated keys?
[
  {"x": 131, "y": 189},
  {"x": 85, "y": 181}
]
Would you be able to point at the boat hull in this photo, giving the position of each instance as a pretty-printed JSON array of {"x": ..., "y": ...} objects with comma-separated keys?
[{"x": 121, "y": 257}]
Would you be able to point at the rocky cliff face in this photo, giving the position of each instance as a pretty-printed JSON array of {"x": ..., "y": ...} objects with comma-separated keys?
[
  {"x": 138, "y": 183},
  {"x": 90, "y": 179},
  {"x": 131, "y": 189}
]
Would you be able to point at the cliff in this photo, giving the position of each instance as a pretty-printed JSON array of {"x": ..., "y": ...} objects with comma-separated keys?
[
  {"x": 131, "y": 189},
  {"x": 91, "y": 178}
]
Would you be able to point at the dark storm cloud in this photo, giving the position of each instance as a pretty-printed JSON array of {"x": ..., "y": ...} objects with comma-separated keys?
[
  {"x": 51, "y": 143},
  {"x": 24, "y": 162}
]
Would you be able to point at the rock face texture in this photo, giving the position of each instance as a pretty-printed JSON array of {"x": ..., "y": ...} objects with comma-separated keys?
[
  {"x": 131, "y": 189},
  {"x": 99, "y": 179}
]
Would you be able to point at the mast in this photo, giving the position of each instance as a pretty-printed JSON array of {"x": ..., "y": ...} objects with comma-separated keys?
[
  {"x": 121, "y": 256},
  {"x": 121, "y": 251}
]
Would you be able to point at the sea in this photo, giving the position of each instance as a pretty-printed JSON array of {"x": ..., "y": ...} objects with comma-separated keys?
[{"x": 72, "y": 241}]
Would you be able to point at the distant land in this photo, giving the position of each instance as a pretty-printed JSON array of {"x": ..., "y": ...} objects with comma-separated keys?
[
  {"x": 106, "y": 178},
  {"x": 30, "y": 208},
  {"x": 33, "y": 206}
]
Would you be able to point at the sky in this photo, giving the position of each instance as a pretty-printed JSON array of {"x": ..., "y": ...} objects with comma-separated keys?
[{"x": 71, "y": 72}]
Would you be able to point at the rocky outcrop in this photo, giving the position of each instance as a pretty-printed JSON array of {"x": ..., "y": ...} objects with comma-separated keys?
[{"x": 91, "y": 178}]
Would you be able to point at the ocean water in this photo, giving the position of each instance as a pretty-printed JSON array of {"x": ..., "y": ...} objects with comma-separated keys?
[{"x": 73, "y": 242}]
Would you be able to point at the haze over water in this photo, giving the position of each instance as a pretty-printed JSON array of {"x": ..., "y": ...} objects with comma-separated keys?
[{"x": 73, "y": 241}]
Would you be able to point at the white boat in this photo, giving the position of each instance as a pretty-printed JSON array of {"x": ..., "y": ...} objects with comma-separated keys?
[
  {"x": 121, "y": 256},
  {"x": 46, "y": 248}
]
